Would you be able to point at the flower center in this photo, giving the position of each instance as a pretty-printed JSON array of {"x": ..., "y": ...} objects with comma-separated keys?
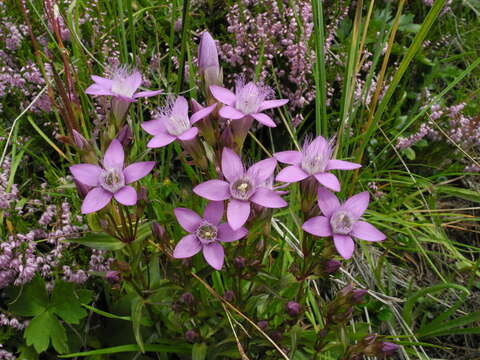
[
  {"x": 177, "y": 125},
  {"x": 112, "y": 180},
  {"x": 242, "y": 189},
  {"x": 206, "y": 233},
  {"x": 341, "y": 222},
  {"x": 121, "y": 86},
  {"x": 249, "y": 99}
]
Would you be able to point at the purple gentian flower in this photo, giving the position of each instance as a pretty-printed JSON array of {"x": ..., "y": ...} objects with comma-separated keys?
[
  {"x": 205, "y": 234},
  {"x": 342, "y": 221},
  {"x": 173, "y": 123},
  {"x": 249, "y": 100},
  {"x": 315, "y": 159},
  {"x": 123, "y": 85},
  {"x": 208, "y": 59},
  {"x": 111, "y": 180},
  {"x": 241, "y": 187}
]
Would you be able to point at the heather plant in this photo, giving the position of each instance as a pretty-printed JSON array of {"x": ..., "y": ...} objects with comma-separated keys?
[{"x": 255, "y": 197}]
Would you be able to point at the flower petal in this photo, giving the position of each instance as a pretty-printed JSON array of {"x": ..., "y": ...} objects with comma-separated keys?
[
  {"x": 328, "y": 180},
  {"x": 137, "y": 171},
  {"x": 238, "y": 212},
  {"x": 264, "y": 119},
  {"x": 214, "y": 254},
  {"x": 262, "y": 170},
  {"x": 126, "y": 196},
  {"x": 289, "y": 157},
  {"x": 291, "y": 174},
  {"x": 270, "y": 104},
  {"x": 344, "y": 245},
  {"x": 188, "y": 219},
  {"x": 223, "y": 95},
  {"x": 213, "y": 212},
  {"x": 232, "y": 166},
  {"x": 96, "y": 199},
  {"x": 327, "y": 201},
  {"x": 365, "y": 231},
  {"x": 104, "y": 82},
  {"x": 153, "y": 127},
  {"x": 114, "y": 156},
  {"x": 215, "y": 190},
  {"x": 203, "y": 113},
  {"x": 87, "y": 174},
  {"x": 268, "y": 198},
  {"x": 148, "y": 93},
  {"x": 180, "y": 108},
  {"x": 357, "y": 204},
  {"x": 96, "y": 89},
  {"x": 341, "y": 165},
  {"x": 189, "y": 134},
  {"x": 318, "y": 225},
  {"x": 229, "y": 112},
  {"x": 227, "y": 234},
  {"x": 187, "y": 247},
  {"x": 160, "y": 140},
  {"x": 134, "y": 80}
]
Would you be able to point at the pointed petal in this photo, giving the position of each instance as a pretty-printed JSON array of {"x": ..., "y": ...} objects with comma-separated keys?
[
  {"x": 232, "y": 166},
  {"x": 327, "y": 202},
  {"x": 227, "y": 234},
  {"x": 328, "y": 180},
  {"x": 104, "y": 82},
  {"x": 341, "y": 165},
  {"x": 344, "y": 245},
  {"x": 268, "y": 198},
  {"x": 229, "y": 112},
  {"x": 318, "y": 225},
  {"x": 126, "y": 196},
  {"x": 189, "y": 134},
  {"x": 134, "y": 81},
  {"x": 187, "y": 247},
  {"x": 215, "y": 190},
  {"x": 270, "y": 104},
  {"x": 214, "y": 212},
  {"x": 292, "y": 174},
  {"x": 238, "y": 212},
  {"x": 188, "y": 219},
  {"x": 87, "y": 174},
  {"x": 96, "y": 89},
  {"x": 137, "y": 171},
  {"x": 180, "y": 108},
  {"x": 201, "y": 114},
  {"x": 214, "y": 255},
  {"x": 264, "y": 119},
  {"x": 153, "y": 127},
  {"x": 96, "y": 199},
  {"x": 160, "y": 140},
  {"x": 365, "y": 231},
  {"x": 148, "y": 93},
  {"x": 289, "y": 157},
  {"x": 262, "y": 170},
  {"x": 114, "y": 156},
  {"x": 223, "y": 95},
  {"x": 357, "y": 204}
]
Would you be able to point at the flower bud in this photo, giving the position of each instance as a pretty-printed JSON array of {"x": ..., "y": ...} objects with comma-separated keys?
[
  {"x": 263, "y": 324},
  {"x": 239, "y": 262},
  {"x": 80, "y": 141},
  {"x": 293, "y": 308},
  {"x": 229, "y": 295},
  {"x": 388, "y": 348},
  {"x": 358, "y": 295},
  {"x": 158, "y": 230},
  {"x": 112, "y": 276},
  {"x": 125, "y": 135},
  {"x": 191, "y": 336},
  {"x": 187, "y": 298},
  {"x": 81, "y": 188},
  {"x": 208, "y": 54},
  {"x": 331, "y": 266}
]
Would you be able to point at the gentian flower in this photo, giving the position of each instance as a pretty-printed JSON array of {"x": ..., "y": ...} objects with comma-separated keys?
[
  {"x": 110, "y": 180},
  {"x": 241, "y": 188},
  {"x": 122, "y": 85},
  {"x": 315, "y": 160},
  {"x": 173, "y": 123},
  {"x": 205, "y": 234},
  {"x": 249, "y": 100},
  {"x": 342, "y": 221}
]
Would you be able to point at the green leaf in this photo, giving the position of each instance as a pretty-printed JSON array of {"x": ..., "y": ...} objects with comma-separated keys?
[
  {"x": 137, "y": 309},
  {"x": 66, "y": 304},
  {"x": 100, "y": 241},
  {"x": 199, "y": 351},
  {"x": 32, "y": 299},
  {"x": 107, "y": 314},
  {"x": 58, "y": 336},
  {"x": 27, "y": 353},
  {"x": 37, "y": 333},
  {"x": 159, "y": 348}
]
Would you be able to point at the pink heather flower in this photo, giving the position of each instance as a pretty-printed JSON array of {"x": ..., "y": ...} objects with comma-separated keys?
[
  {"x": 208, "y": 58},
  {"x": 111, "y": 180},
  {"x": 315, "y": 159},
  {"x": 241, "y": 188},
  {"x": 205, "y": 234},
  {"x": 173, "y": 123},
  {"x": 123, "y": 85},
  {"x": 249, "y": 100},
  {"x": 342, "y": 221}
]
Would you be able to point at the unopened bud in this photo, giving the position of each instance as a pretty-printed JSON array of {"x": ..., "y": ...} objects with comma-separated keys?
[
  {"x": 112, "y": 276},
  {"x": 331, "y": 266},
  {"x": 358, "y": 295},
  {"x": 191, "y": 336},
  {"x": 125, "y": 135},
  {"x": 80, "y": 141},
  {"x": 389, "y": 348},
  {"x": 158, "y": 230},
  {"x": 229, "y": 295},
  {"x": 263, "y": 324},
  {"x": 293, "y": 308},
  {"x": 239, "y": 262},
  {"x": 187, "y": 298}
]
